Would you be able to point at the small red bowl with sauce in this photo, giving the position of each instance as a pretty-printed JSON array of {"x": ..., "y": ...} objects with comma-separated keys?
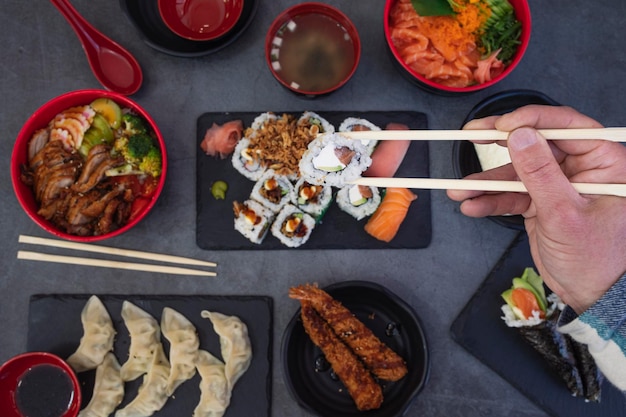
[
  {"x": 38, "y": 384},
  {"x": 312, "y": 49},
  {"x": 200, "y": 20}
]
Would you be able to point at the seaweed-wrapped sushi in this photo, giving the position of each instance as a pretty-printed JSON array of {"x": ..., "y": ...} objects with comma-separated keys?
[
  {"x": 311, "y": 198},
  {"x": 359, "y": 201},
  {"x": 535, "y": 317},
  {"x": 292, "y": 226}
]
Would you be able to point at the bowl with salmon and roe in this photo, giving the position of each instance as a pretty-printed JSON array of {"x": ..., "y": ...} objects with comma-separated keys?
[
  {"x": 456, "y": 47},
  {"x": 88, "y": 165}
]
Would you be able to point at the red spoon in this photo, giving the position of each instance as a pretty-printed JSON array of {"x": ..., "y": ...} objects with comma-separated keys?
[{"x": 115, "y": 68}]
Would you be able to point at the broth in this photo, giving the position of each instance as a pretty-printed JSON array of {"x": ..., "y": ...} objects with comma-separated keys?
[
  {"x": 44, "y": 391},
  {"x": 312, "y": 52}
]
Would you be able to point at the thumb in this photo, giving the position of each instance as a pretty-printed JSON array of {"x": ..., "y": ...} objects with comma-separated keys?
[{"x": 536, "y": 166}]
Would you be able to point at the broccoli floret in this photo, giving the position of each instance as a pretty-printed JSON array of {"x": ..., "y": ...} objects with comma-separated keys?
[
  {"x": 133, "y": 125},
  {"x": 137, "y": 147},
  {"x": 152, "y": 162}
]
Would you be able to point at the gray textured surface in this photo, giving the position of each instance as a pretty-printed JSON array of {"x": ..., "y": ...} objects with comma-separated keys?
[{"x": 576, "y": 56}]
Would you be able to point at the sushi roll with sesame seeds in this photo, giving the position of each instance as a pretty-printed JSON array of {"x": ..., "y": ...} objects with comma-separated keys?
[
  {"x": 333, "y": 159},
  {"x": 359, "y": 201},
  {"x": 252, "y": 220},
  {"x": 293, "y": 226},
  {"x": 311, "y": 198},
  {"x": 272, "y": 190},
  {"x": 355, "y": 124}
]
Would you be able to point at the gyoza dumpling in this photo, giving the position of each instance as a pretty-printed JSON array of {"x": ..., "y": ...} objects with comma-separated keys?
[
  {"x": 108, "y": 390},
  {"x": 151, "y": 396},
  {"x": 234, "y": 344},
  {"x": 184, "y": 344},
  {"x": 97, "y": 340},
  {"x": 214, "y": 392},
  {"x": 145, "y": 338}
]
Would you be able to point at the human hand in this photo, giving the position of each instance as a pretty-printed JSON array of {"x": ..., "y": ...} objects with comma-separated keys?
[{"x": 578, "y": 242}]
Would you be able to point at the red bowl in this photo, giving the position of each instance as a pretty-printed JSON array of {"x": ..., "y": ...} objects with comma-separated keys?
[
  {"x": 200, "y": 20},
  {"x": 16, "y": 369},
  {"x": 522, "y": 12},
  {"x": 333, "y": 30},
  {"x": 39, "y": 119}
]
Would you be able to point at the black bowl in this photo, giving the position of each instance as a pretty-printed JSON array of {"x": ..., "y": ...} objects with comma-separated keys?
[
  {"x": 465, "y": 160},
  {"x": 318, "y": 390}
]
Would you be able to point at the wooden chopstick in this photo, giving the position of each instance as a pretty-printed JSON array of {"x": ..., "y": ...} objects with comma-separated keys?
[
  {"x": 112, "y": 251},
  {"x": 613, "y": 134},
  {"x": 73, "y": 260},
  {"x": 482, "y": 185}
]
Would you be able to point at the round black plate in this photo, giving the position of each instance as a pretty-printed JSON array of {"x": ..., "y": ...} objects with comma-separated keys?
[
  {"x": 145, "y": 16},
  {"x": 392, "y": 320},
  {"x": 463, "y": 152}
]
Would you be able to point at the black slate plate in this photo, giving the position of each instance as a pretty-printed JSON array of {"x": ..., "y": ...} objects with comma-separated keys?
[
  {"x": 54, "y": 326},
  {"x": 338, "y": 230},
  {"x": 481, "y": 331},
  {"x": 392, "y": 320},
  {"x": 145, "y": 16},
  {"x": 464, "y": 155}
]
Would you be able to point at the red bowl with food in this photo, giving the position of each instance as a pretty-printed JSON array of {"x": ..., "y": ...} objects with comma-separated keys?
[
  {"x": 312, "y": 49},
  {"x": 38, "y": 383},
  {"x": 473, "y": 48},
  {"x": 200, "y": 20},
  {"x": 88, "y": 165}
]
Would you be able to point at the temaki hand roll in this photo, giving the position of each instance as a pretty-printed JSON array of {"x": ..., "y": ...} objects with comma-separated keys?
[{"x": 535, "y": 317}]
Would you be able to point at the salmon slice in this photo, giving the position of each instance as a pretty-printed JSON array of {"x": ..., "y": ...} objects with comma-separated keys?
[
  {"x": 385, "y": 222},
  {"x": 388, "y": 154}
]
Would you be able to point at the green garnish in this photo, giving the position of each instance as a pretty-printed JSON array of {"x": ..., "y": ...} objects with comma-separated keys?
[
  {"x": 433, "y": 7},
  {"x": 501, "y": 30},
  {"x": 218, "y": 190}
]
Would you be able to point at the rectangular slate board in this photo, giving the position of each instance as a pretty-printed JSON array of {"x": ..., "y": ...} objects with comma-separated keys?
[
  {"x": 338, "y": 230},
  {"x": 54, "y": 326},
  {"x": 480, "y": 329}
]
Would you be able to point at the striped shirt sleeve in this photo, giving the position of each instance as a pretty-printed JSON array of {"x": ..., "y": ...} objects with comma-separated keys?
[{"x": 603, "y": 329}]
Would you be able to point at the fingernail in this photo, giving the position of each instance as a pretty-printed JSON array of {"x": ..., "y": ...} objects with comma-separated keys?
[{"x": 521, "y": 139}]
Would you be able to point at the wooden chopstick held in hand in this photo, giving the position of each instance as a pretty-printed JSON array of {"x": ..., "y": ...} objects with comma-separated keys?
[
  {"x": 613, "y": 134},
  {"x": 73, "y": 260},
  {"x": 482, "y": 185},
  {"x": 112, "y": 251}
]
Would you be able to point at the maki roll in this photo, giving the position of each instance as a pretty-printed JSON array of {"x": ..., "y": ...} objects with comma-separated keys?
[
  {"x": 334, "y": 160},
  {"x": 359, "y": 201},
  {"x": 293, "y": 226},
  {"x": 535, "y": 317},
  {"x": 316, "y": 123},
  {"x": 247, "y": 161},
  {"x": 252, "y": 220},
  {"x": 272, "y": 190},
  {"x": 259, "y": 122},
  {"x": 312, "y": 199},
  {"x": 355, "y": 124}
]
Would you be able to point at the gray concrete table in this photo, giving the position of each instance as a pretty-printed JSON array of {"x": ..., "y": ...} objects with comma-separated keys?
[{"x": 576, "y": 56}]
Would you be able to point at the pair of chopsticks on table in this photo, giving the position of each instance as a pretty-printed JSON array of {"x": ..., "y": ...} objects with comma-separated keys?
[
  {"x": 613, "y": 134},
  {"x": 104, "y": 263}
]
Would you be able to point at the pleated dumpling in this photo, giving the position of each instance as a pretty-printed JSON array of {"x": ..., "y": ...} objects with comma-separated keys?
[
  {"x": 234, "y": 343},
  {"x": 145, "y": 339},
  {"x": 184, "y": 344},
  {"x": 151, "y": 396},
  {"x": 108, "y": 390},
  {"x": 214, "y": 391},
  {"x": 98, "y": 335}
]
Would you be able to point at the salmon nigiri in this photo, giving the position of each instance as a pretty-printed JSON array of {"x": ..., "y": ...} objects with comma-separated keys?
[{"x": 386, "y": 220}]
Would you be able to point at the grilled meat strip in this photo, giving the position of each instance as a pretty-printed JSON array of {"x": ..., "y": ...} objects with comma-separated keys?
[
  {"x": 361, "y": 386},
  {"x": 383, "y": 362}
]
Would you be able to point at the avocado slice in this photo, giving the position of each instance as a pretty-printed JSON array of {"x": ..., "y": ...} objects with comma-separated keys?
[
  {"x": 331, "y": 169},
  {"x": 359, "y": 202},
  {"x": 109, "y": 109},
  {"x": 99, "y": 132}
]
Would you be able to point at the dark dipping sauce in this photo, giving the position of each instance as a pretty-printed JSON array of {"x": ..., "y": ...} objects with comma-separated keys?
[
  {"x": 312, "y": 53},
  {"x": 44, "y": 391}
]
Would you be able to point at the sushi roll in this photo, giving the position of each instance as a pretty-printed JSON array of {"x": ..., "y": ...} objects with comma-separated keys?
[
  {"x": 312, "y": 199},
  {"x": 334, "y": 160},
  {"x": 292, "y": 226},
  {"x": 535, "y": 319},
  {"x": 355, "y": 124},
  {"x": 317, "y": 123},
  {"x": 272, "y": 190},
  {"x": 247, "y": 161},
  {"x": 252, "y": 220},
  {"x": 359, "y": 201},
  {"x": 261, "y": 120}
]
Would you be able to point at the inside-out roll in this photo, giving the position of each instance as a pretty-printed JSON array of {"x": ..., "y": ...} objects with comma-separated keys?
[
  {"x": 355, "y": 124},
  {"x": 252, "y": 220},
  {"x": 292, "y": 226},
  {"x": 272, "y": 190},
  {"x": 311, "y": 198},
  {"x": 359, "y": 201}
]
